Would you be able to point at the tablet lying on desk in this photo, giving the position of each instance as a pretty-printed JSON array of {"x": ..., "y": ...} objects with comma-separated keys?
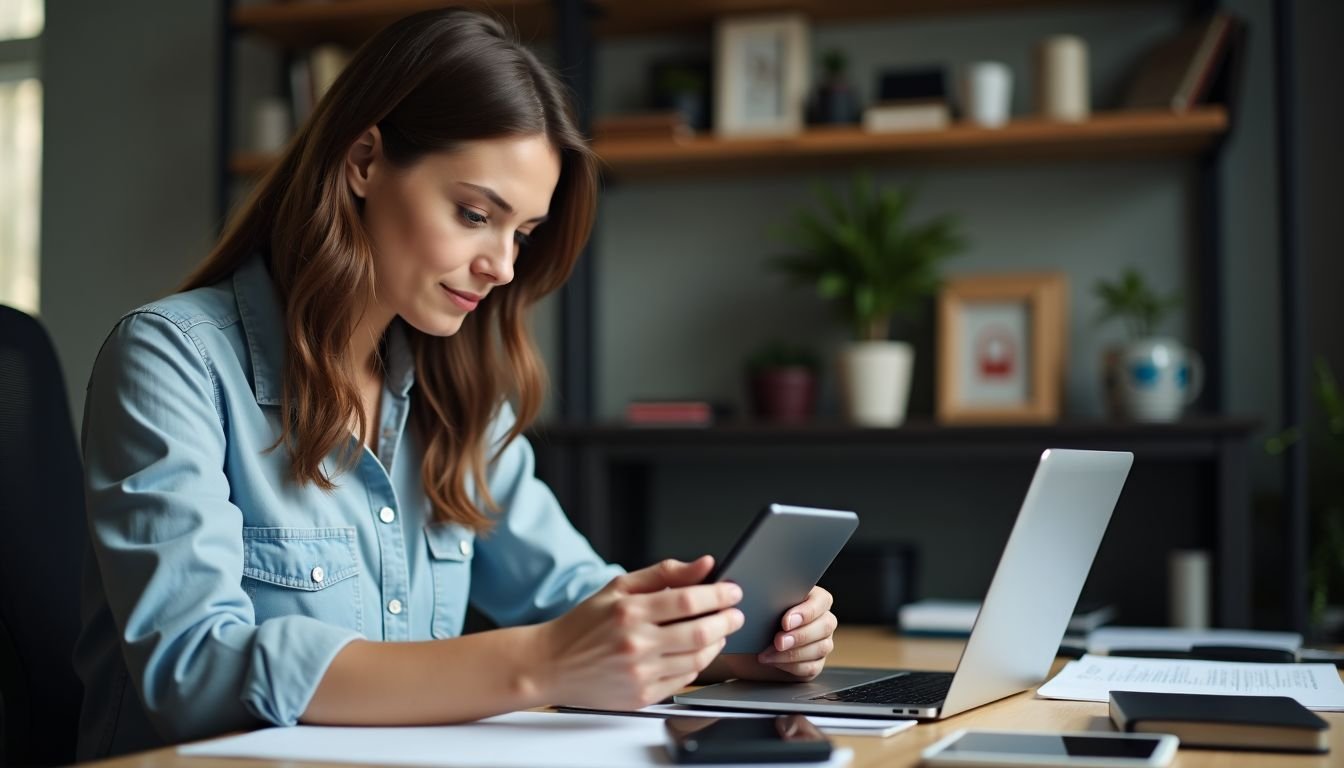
[{"x": 777, "y": 561}]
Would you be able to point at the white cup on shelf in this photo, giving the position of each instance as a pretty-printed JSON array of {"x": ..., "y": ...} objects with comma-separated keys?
[{"x": 987, "y": 93}]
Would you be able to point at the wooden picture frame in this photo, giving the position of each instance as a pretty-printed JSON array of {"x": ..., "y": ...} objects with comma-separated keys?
[
  {"x": 1001, "y": 344},
  {"x": 761, "y": 66}
]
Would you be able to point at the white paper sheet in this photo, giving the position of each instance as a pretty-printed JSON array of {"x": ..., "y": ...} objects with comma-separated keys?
[
  {"x": 522, "y": 739},
  {"x": 1092, "y": 678},
  {"x": 1103, "y": 639}
]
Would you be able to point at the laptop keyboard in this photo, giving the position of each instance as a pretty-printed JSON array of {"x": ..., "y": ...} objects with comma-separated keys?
[{"x": 915, "y": 688}]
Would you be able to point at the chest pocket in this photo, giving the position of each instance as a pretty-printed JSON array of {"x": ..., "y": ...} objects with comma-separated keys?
[
  {"x": 450, "y": 550},
  {"x": 303, "y": 571}
]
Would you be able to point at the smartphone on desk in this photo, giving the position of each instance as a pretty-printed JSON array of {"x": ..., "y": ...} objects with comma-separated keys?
[
  {"x": 1084, "y": 749},
  {"x": 782, "y": 739},
  {"x": 776, "y": 561}
]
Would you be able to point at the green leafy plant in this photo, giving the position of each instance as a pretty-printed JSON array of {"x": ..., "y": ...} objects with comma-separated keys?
[
  {"x": 1326, "y": 568},
  {"x": 1136, "y": 304},
  {"x": 782, "y": 354},
  {"x": 865, "y": 256}
]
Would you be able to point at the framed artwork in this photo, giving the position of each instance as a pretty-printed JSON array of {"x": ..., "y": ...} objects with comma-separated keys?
[
  {"x": 1001, "y": 342},
  {"x": 761, "y": 66}
]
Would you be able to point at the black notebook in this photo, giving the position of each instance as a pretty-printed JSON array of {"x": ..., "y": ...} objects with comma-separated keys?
[{"x": 1275, "y": 723}]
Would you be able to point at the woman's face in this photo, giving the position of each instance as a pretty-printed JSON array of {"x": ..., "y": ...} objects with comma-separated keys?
[{"x": 448, "y": 229}]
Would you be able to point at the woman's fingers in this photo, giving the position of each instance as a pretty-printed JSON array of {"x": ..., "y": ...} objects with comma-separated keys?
[
  {"x": 810, "y": 652},
  {"x": 817, "y": 603},
  {"x": 688, "y": 636},
  {"x": 822, "y": 628},
  {"x": 687, "y": 602}
]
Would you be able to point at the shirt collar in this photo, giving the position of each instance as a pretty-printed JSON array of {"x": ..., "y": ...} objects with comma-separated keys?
[{"x": 263, "y": 325}]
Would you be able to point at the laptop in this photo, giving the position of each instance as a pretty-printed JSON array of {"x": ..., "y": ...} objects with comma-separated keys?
[{"x": 1015, "y": 636}]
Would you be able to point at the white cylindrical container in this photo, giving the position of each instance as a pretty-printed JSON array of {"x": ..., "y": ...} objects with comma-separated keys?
[
  {"x": 1188, "y": 572},
  {"x": 270, "y": 125},
  {"x": 1062, "y": 88},
  {"x": 875, "y": 381},
  {"x": 987, "y": 93}
]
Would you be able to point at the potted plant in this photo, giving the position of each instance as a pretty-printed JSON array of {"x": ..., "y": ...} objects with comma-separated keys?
[
  {"x": 865, "y": 257},
  {"x": 782, "y": 379},
  {"x": 1325, "y": 573},
  {"x": 834, "y": 101},
  {"x": 1150, "y": 377}
]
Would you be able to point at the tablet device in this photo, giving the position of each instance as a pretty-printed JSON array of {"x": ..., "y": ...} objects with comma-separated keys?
[
  {"x": 1089, "y": 749},
  {"x": 777, "y": 561}
]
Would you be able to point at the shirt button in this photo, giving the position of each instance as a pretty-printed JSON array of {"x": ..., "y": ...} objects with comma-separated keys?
[
  {"x": 387, "y": 515},
  {"x": 389, "y": 433},
  {"x": 319, "y": 574},
  {"x": 464, "y": 547},
  {"x": 394, "y": 606}
]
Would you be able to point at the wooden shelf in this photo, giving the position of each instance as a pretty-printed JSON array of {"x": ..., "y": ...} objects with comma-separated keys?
[
  {"x": 350, "y": 22},
  {"x": 1107, "y": 135},
  {"x": 1114, "y": 135}
]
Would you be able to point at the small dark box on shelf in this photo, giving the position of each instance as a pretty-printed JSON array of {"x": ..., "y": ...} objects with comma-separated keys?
[{"x": 871, "y": 580}]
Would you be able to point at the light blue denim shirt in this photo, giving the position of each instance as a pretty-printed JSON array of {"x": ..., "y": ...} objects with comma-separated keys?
[{"x": 216, "y": 590}]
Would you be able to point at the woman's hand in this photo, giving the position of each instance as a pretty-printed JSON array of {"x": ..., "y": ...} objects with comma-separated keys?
[
  {"x": 644, "y": 636},
  {"x": 799, "y": 651}
]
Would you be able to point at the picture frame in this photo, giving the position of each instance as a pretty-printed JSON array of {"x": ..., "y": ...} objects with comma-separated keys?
[
  {"x": 1001, "y": 348},
  {"x": 761, "y": 66}
]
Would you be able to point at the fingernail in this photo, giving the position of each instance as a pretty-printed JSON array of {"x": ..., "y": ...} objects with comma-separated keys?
[
  {"x": 739, "y": 617},
  {"x": 734, "y": 592},
  {"x": 793, "y": 621},
  {"x": 786, "y": 643}
]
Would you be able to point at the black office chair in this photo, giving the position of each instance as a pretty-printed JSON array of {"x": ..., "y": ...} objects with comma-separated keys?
[{"x": 42, "y": 536}]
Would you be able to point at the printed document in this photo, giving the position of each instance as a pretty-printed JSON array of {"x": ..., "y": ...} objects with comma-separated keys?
[
  {"x": 1092, "y": 678},
  {"x": 522, "y": 739}
]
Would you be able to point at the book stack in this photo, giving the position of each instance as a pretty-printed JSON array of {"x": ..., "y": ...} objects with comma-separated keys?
[
  {"x": 1216, "y": 721},
  {"x": 954, "y": 618},
  {"x": 666, "y": 126},
  {"x": 1179, "y": 73},
  {"x": 909, "y": 100},
  {"x": 672, "y": 413},
  {"x": 311, "y": 75}
]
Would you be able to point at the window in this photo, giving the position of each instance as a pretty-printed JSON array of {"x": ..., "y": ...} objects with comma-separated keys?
[{"x": 21, "y": 23}]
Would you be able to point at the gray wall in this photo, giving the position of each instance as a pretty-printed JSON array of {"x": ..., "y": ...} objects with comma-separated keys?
[
  {"x": 127, "y": 166},
  {"x": 683, "y": 296}
]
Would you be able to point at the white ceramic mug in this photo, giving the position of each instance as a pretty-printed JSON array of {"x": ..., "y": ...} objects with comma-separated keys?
[
  {"x": 987, "y": 93},
  {"x": 1158, "y": 377}
]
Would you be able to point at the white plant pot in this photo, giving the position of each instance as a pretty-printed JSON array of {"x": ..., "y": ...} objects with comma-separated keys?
[
  {"x": 875, "y": 381},
  {"x": 1152, "y": 379}
]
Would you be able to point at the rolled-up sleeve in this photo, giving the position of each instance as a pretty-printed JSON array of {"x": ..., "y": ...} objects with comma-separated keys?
[
  {"x": 533, "y": 566},
  {"x": 169, "y": 545}
]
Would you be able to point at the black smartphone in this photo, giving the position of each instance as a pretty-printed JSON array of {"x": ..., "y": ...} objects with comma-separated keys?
[{"x": 782, "y": 739}]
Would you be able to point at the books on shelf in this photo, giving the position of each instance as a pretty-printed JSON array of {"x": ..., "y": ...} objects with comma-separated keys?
[
  {"x": 673, "y": 413},
  {"x": 896, "y": 116},
  {"x": 1216, "y": 721},
  {"x": 954, "y": 618},
  {"x": 669, "y": 125},
  {"x": 311, "y": 75},
  {"x": 909, "y": 99},
  {"x": 1179, "y": 72}
]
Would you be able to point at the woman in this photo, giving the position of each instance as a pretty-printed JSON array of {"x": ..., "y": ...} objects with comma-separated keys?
[{"x": 299, "y": 469}]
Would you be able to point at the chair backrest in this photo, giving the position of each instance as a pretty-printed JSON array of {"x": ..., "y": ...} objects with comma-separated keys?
[{"x": 42, "y": 537}]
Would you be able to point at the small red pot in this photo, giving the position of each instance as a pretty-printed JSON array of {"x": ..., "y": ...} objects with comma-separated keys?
[{"x": 784, "y": 395}]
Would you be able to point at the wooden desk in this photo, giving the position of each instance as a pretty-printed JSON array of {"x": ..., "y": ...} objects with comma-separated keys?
[{"x": 870, "y": 646}]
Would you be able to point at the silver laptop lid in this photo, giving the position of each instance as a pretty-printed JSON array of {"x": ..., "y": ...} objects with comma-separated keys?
[{"x": 1040, "y": 575}]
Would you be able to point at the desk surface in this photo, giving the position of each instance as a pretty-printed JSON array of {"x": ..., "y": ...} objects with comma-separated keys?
[{"x": 868, "y": 646}]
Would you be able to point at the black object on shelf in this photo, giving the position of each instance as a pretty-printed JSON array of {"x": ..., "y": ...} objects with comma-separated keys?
[{"x": 870, "y": 581}]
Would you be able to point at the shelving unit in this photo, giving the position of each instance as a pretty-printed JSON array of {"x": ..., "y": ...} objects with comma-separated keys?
[
  {"x": 1107, "y": 136},
  {"x": 583, "y": 461}
]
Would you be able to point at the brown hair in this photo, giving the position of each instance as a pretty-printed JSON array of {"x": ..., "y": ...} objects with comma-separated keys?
[{"x": 429, "y": 82}]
